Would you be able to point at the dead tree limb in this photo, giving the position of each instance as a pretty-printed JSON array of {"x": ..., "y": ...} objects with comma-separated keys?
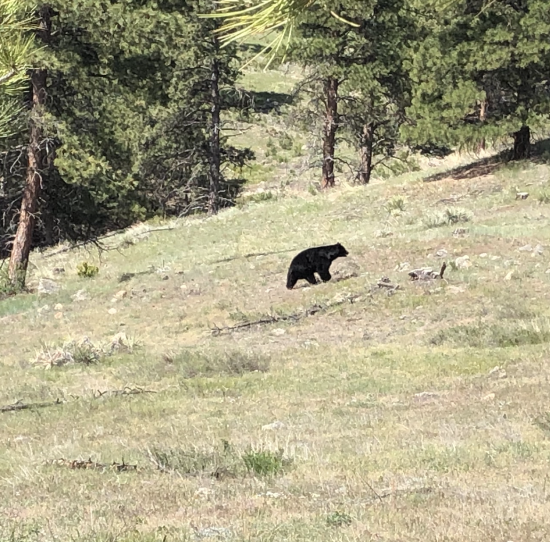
[
  {"x": 272, "y": 319},
  {"x": 125, "y": 391},
  {"x": 89, "y": 464},
  {"x": 18, "y": 405}
]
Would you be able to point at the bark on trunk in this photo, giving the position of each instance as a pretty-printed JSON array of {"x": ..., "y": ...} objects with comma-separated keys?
[
  {"x": 214, "y": 157},
  {"x": 367, "y": 142},
  {"x": 522, "y": 143},
  {"x": 37, "y": 162},
  {"x": 482, "y": 116},
  {"x": 329, "y": 132}
]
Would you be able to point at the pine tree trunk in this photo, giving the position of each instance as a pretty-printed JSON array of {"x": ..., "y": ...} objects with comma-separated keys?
[
  {"x": 37, "y": 162},
  {"x": 367, "y": 143},
  {"x": 522, "y": 143},
  {"x": 482, "y": 116},
  {"x": 329, "y": 131},
  {"x": 214, "y": 155}
]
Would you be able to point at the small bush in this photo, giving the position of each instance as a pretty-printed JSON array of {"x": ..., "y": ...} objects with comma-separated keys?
[
  {"x": 122, "y": 343},
  {"x": 297, "y": 150},
  {"x": 265, "y": 462},
  {"x": 286, "y": 142},
  {"x": 216, "y": 462},
  {"x": 224, "y": 461},
  {"x": 450, "y": 215},
  {"x": 83, "y": 351},
  {"x": 313, "y": 189},
  {"x": 396, "y": 204},
  {"x": 256, "y": 198},
  {"x": 271, "y": 148},
  {"x": 543, "y": 422},
  {"x": 194, "y": 364},
  {"x": 86, "y": 270},
  {"x": 457, "y": 214},
  {"x": 338, "y": 519}
]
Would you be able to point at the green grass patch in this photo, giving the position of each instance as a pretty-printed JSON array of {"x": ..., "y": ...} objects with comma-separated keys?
[
  {"x": 191, "y": 363},
  {"x": 504, "y": 334}
]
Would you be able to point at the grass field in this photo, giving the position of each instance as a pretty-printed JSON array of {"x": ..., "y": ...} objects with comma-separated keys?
[
  {"x": 352, "y": 411},
  {"x": 422, "y": 415}
]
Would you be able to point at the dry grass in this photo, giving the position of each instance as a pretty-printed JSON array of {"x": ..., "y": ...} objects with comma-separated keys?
[{"x": 418, "y": 416}]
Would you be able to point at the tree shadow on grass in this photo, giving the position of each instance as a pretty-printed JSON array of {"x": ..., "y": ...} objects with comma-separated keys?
[
  {"x": 252, "y": 101},
  {"x": 479, "y": 168},
  {"x": 540, "y": 154}
]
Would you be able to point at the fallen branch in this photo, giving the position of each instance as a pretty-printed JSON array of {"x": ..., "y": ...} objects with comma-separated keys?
[
  {"x": 216, "y": 331},
  {"x": 163, "y": 228},
  {"x": 451, "y": 199},
  {"x": 19, "y": 405},
  {"x": 95, "y": 241},
  {"x": 89, "y": 464},
  {"x": 385, "y": 282},
  {"x": 125, "y": 391},
  {"x": 268, "y": 320},
  {"x": 27, "y": 406}
]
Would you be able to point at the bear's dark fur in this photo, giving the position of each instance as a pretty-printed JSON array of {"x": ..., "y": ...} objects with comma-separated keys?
[{"x": 313, "y": 260}]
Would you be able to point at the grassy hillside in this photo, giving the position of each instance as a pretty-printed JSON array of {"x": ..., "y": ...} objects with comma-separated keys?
[
  {"x": 349, "y": 414},
  {"x": 184, "y": 394}
]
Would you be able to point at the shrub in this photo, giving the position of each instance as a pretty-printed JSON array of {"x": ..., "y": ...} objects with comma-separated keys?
[
  {"x": 338, "y": 519},
  {"x": 450, "y": 215},
  {"x": 396, "y": 204},
  {"x": 194, "y": 461},
  {"x": 544, "y": 197},
  {"x": 265, "y": 462},
  {"x": 86, "y": 270}
]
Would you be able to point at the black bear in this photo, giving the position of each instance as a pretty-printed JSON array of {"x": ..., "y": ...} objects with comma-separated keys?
[{"x": 313, "y": 260}]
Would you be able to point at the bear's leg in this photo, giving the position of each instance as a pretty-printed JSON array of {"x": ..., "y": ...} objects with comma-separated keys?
[
  {"x": 311, "y": 279},
  {"x": 291, "y": 281},
  {"x": 324, "y": 273}
]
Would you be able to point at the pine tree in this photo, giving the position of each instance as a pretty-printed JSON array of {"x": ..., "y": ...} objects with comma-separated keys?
[
  {"x": 322, "y": 47},
  {"x": 376, "y": 89},
  {"x": 130, "y": 123},
  {"x": 186, "y": 147},
  {"x": 360, "y": 77},
  {"x": 481, "y": 74},
  {"x": 16, "y": 49},
  {"x": 37, "y": 162}
]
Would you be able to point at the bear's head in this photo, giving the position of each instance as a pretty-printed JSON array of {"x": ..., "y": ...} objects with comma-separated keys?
[{"x": 341, "y": 250}]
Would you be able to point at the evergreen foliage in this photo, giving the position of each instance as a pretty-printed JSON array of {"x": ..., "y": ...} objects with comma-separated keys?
[
  {"x": 367, "y": 59},
  {"x": 16, "y": 49},
  {"x": 480, "y": 73},
  {"x": 127, "y": 117}
]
